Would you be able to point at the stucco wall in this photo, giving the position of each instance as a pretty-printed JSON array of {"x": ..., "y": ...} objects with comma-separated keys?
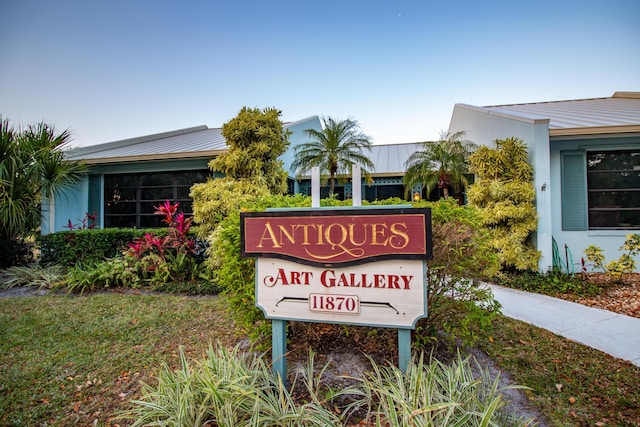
[
  {"x": 483, "y": 127},
  {"x": 577, "y": 241},
  {"x": 297, "y": 137},
  {"x": 71, "y": 204}
]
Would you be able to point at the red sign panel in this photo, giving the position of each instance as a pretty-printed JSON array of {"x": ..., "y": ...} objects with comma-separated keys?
[{"x": 340, "y": 237}]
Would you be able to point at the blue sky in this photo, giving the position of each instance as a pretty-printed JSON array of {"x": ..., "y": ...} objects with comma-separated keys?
[{"x": 120, "y": 69}]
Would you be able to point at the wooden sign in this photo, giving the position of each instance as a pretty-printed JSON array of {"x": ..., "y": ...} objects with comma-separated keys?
[
  {"x": 350, "y": 266},
  {"x": 344, "y": 237},
  {"x": 384, "y": 294}
]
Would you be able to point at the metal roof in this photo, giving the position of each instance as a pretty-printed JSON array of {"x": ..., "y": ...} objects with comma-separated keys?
[
  {"x": 618, "y": 113},
  {"x": 190, "y": 142},
  {"x": 194, "y": 142},
  {"x": 390, "y": 158}
]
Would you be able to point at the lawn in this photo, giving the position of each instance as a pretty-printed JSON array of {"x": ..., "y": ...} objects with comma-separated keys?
[
  {"x": 78, "y": 360},
  {"x": 68, "y": 360}
]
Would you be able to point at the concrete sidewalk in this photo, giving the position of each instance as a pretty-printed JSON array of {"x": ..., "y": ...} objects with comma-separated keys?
[{"x": 611, "y": 333}]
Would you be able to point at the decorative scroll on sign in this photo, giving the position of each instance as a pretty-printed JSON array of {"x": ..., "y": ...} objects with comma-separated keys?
[{"x": 337, "y": 237}]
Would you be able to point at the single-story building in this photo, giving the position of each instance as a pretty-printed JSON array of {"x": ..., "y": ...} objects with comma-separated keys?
[
  {"x": 128, "y": 178},
  {"x": 585, "y": 154},
  {"x": 586, "y": 159}
]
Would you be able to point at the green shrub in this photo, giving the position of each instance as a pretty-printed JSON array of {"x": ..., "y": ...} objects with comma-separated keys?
[
  {"x": 550, "y": 283},
  {"x": 106, "y": 274},
  {"x": 68, "y": 248},
  {"x": 457, "y": 303}
]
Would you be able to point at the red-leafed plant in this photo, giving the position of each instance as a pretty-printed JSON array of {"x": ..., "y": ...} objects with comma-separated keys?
[
  {"x": 89, "y": 222},
  {"x": 170, "y": 258}
]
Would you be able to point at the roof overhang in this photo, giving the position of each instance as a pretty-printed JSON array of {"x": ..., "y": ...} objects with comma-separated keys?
[
  {"x": 490, "y": 112},
  {"x": 596, "y": 130},
  {"x": 371, "y": 174},
  {"x": 149, "y": 157}
]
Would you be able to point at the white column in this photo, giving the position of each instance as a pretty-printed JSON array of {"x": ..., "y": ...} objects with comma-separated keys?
[
  {"x": 315, "y": 187},
  {"x": 356, "y": 186}
]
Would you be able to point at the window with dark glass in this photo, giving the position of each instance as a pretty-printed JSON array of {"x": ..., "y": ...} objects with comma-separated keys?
[
  {"x": 613, "y": 183},
  {"x": 338, "y": 192},
  {"x": 388, "y": 191},
  {"x": 130, "y": 199}
]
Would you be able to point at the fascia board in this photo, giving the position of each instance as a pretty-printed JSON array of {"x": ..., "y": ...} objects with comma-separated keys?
[{"x": 166, "y": 156}]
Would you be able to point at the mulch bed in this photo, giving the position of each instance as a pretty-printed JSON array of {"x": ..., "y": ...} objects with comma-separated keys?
[{"x": 621, "y": 296}]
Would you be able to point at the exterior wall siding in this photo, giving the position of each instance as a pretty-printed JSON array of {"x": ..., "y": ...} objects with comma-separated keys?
[
  {"x": 70, "y": 204},
  {"x": 574, "y": 242}
]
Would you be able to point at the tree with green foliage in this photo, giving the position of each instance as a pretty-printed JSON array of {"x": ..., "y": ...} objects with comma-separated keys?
[
  {"x": 32, "y": 165},
  {"x": 256, "y": 138},
  {"x": 335, "y": 150},
  {"x": 505, "y": 194},
  {"x": 442, "y": 164}
]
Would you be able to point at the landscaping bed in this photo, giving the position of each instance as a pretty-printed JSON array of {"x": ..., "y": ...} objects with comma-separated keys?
[{"x": 618, "y": 296}]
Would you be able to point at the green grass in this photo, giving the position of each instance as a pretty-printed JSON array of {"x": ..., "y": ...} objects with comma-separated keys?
[
  {"x": 70, "y": 360},
  {"x": 573, "y": 385}
]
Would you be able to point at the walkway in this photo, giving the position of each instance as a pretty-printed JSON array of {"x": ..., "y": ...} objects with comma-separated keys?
[{"x": 612, "y": 333}]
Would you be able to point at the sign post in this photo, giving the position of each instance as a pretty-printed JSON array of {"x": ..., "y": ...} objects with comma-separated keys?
[
  {"x": 349, "y": 266},
  {"x": 358, "y": 266}
]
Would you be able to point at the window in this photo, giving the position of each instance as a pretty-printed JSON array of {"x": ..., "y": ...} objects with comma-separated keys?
[
  {"x": 338, "y": 192},
  {"x": 388, "y": 191},
  {"x": 130, "y": 199},
  {"x": 613, "y": 189}
]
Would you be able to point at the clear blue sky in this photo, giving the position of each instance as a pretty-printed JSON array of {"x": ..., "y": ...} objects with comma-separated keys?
[{"x": 117, "y": 69}]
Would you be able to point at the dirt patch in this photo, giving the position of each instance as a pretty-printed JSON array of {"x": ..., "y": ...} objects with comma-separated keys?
[
  {"x": 345, "y": 359},
  {"x": 22, "y": 291}
]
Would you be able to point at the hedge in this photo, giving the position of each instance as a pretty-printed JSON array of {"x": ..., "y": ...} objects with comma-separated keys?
[{"x": 87, "y": 246}]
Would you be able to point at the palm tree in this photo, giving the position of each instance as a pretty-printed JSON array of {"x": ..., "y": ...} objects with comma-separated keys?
[
  {"x": 335, "y": 149},
  {"x": 32, "y": 165},
  {"x": 441, "y": 164}
]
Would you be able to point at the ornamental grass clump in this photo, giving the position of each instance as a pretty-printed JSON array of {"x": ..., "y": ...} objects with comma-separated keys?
[
  {"x": 235, "y": 389},
  {"x": 435, "y": 394},
  {"x": 226, "y": 388},
  {"x": 39, "y": 276}
]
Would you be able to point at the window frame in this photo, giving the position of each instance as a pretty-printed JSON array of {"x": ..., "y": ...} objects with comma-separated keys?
[
  {"x": 616, "y": 210},
  {"x": 141, "y": 214}
]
